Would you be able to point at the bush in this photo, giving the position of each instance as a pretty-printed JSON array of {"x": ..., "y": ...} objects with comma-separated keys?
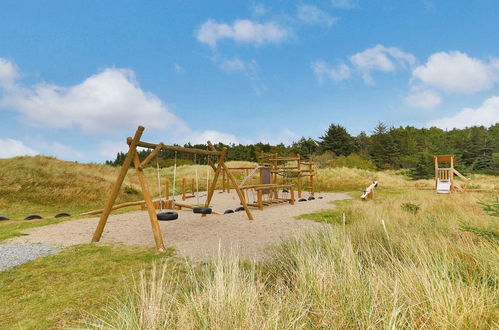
[
  {"x": 352, "y": 161},
  {"x": 129, "y": 190},
  {"x": 410, "y": 207}
]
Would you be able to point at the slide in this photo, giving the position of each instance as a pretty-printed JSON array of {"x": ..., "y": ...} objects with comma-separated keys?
[{"x": 443, "y": 186}]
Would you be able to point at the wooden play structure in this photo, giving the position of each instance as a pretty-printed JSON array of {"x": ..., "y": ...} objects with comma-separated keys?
[
  {"x": 369, "y": 192},
  {"x": 149, "y": 203},
  {"x": 444, "y": 176},
  {"x": 290, "y": 168}
]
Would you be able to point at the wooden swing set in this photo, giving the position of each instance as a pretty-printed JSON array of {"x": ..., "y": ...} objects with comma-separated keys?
[{"x": 132, "y": 155}]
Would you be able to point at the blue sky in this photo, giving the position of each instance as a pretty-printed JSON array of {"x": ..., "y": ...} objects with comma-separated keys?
[{"x": 77, "y": 77}]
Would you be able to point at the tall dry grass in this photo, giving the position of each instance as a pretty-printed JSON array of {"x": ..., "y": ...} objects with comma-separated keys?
[{"x": 383, "y": 267}]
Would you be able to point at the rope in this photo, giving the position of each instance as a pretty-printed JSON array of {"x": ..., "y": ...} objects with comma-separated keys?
[
  {"x": 197, "y": 184},
  {"x": 174, "y": 176},
  {"x": 249, "y": 175},
  {"x": 159, "y": 184}
]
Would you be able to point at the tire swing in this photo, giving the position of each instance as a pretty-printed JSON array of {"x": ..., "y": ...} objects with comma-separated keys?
[
  {"x": 302, "y": 200},
  {"x": 311, "y": 198},
  {"x": 239, "y": 209},
  {"x": 167, "y": 215},
  {"x": 4, "y": 219},
  {"x": 202, "y": 210},
  {"x": 228, "y": 211}
]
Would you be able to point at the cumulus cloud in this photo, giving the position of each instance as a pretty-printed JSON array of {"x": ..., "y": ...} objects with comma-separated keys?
[
  {"x": 380, "y": 58},
  {"x": 344, "y": 4},
  {"x": 455, "y": 72},
  {"x": 213, "y": 136},
  {"x": 242, "y": 30},
  {"x": 322, "y": 70},
  {"x": 110, "y": 101},
  {"x": 487, "y": 114},
  {"x": 8, "y": 73},
  {"x": 426, "y": 99},
  {"x": 310, "y": 14},
  {"x": 12, "y": 148},
  {"x": 377, "y": 58},
  {"x": 178, "y": 68}
]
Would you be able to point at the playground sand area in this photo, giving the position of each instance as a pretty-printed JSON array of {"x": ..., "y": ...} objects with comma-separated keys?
[{"x": 195, "y": 237}]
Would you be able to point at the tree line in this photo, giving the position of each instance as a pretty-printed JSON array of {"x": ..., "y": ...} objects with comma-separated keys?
[{"x": 476, "y": 148}]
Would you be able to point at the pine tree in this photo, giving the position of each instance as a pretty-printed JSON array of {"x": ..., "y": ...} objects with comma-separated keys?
[{"x": 337, "y": 140}]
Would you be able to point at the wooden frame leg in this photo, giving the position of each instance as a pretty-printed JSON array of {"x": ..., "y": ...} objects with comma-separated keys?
[
  {"x": 117, "y": 185},
  {"x": 292, "y": 196},
  {"x": 158, "y": 237},
  {"x": 260, "y": 200}
]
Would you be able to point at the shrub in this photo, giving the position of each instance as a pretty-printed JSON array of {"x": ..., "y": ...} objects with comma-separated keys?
[
  {"x": 130, "y": 190},
  {"x": 410, "y": 207}
]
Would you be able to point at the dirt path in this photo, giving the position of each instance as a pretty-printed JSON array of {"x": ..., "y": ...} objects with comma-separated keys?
[{"x": 192, "y": 236}]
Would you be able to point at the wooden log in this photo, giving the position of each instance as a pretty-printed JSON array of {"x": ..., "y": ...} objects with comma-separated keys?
[
  {"x": 292, "y": 195},
  {"x": 150, "y": 156},
  {"x": 158, "y": 237},
  {"x": 175, "y": 148},
  {"x": 117, "y": 185},
  {"x": 221, "y": 161},
  {"x": 115, "y": 207}
]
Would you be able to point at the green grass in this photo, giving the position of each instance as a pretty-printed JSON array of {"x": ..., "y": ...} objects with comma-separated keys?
[
  {"x": 332, "y": 216},
  {"x": 59, "y": 290}
]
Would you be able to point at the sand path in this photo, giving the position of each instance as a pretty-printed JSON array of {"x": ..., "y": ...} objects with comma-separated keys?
[{"x": 192, "y": 236}]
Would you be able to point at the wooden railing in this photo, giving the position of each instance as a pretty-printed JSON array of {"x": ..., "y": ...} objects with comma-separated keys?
[{"x": 444, "y": 173}]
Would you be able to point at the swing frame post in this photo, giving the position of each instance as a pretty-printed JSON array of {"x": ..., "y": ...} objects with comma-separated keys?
[
  {"x": 117, "y": 185},
  {"x": 184, "y": 195}
]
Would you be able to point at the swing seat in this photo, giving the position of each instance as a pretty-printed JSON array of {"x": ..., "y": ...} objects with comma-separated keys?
[
  {"x": 62, "y": 215},
  {"x": 167, "y": 216},
  {"x": 228, "y": 211},
  {"x": 4, "y": 218},
  {"x": 33, "y": 217},
  {"x": 239, "y": 209},
  {"x": 302, "y": 200},
  {"x": 202, "y": 210}
]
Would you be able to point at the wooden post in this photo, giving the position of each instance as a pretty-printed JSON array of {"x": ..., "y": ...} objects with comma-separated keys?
[
  {"x": 298, "y": 165},
  {"x": 292, "y": 195},
  {"x": 117, "y": 185},
  {"x": 183, "y": 189},
  {"x": 233, "y": 181},
  {"x": 312, "y": 183},
  {"x": 451, "y": 173},
  {"x": 260, "y": 199},
  {"x": 211, "y": 187},
  {"x": 158, "y": 237},
  {"x": 193, "y": 185},
  {"x": 223, "y": 181},
  {"x": 436, "y": 171}
]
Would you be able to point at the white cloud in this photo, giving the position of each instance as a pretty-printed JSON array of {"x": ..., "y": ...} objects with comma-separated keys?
[
  {"x": 380, "y": 58},
  {"x": 487, "y": 114},
  {"x": 243, "y": 30},
  {"x": 310, "y": 14},
  {"x": 344, "y": 4},
  {"x": 210, "y": 135},
  {"x": 258, "y": 9},
  {"x": 12, "y": 148},
  {"x": 55, "y": 149},
  {"x": 108, "y": 102},
  {"x": 377, "y": 58},
  {"x": 285, "y": 136},
  {"x": 322, "y": 70},
  {"x": 233, "y": 65},
  {"x": 455, "y": 72},
  {"x": 178, "y": 68},
  {"x": 8, "y": 74},
  {"x": 109, "y": 149},
  {"x": 426, "y": 99}
]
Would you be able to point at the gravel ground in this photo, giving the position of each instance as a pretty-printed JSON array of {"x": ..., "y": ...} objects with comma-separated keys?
[
  {"x": 193, "y": 236},
  {"x": 17, "y": 254}
]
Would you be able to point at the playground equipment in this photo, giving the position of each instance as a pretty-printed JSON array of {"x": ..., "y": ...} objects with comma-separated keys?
[
  {"x": 444, "y": 176},
  {"x": 139, "y": 166},
  {"x": 276, "y": 166},
  {"x": 369, "y": 192}
]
